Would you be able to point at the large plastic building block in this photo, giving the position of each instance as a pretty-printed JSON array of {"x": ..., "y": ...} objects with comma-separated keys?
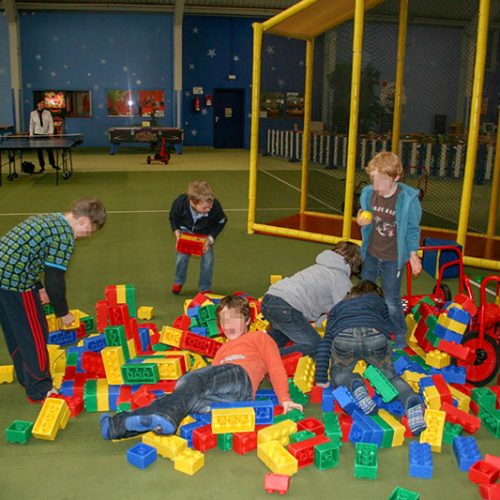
[
  {"x": 399, "y": 429},
  {"x": 431, "y": 398},
  {"x": 311, "y": 424},
  {"x": 490, "y": 418},
  {"x": 186, "y": 431},
  {"x": 267, "y": 394},
  {"x": 276, "y": 483},
  {"x": 140, "y": 373},
  {"x": 332, "y": 427},
  {"x": 293, "y": 415},
  {"x": 145, "y": 312},
  {"x": 387, "y": 431},
  {"x": 226, "y": 420},
  {"x": 206, "y": 314},
  {"x": 290, "y": 362},
  {"x": 345, "y": 399},
  {"x": 470, "y": 423},
  {"x": 452, "y": 374},
  {"x": 166, "y": 446},
  {"x": 296, "y": 394},
  {"x": 303, "y": 451},
  {"x": 19, "y": 431},
  {"x": 451, "y": 431},
  {"x": 365, "y": 460},
  {"x": 433, "y": 435},
  {"x": 204, "y": 439},
  {"x": 277, "y": 458},
  {"x": 489, "y": 491},
  {"x": 436, "y": 358},
  {"x": 113, "y": 359},
  {"x": 141, "y": 455},
  {"x": 62, "y": 337},
  {"x": 483, "y": 472},
  {"x": 115, "y": 336},
  {"x": 326, "y": 455},
  {"x": 304, "y": 374},
  {"x": 420, "y": 460},
  {"x": 463, "y": 353},
  {"x": 197, "y": 343},
  {"x": 92, "y": 363},
  {"x": 6, "y": 374},
  {"x": 365, "y": 430},
  {"x": 381, "y": 384},
  {"x": 278, "y": 432},
  {"x": 53, "y": 416},
  {"x": 169, "y": 368},
  {"x": 191, "y": 244},
  {"x": 244, "y": 442},
  {"x": 225, "y": 442},
  {"x": 466, "y": 452},
  {"x": 403, "y": 494},
  {"x": 298, "y": 436},
  {"x": 484, "y": 396},
  {"x": 171, "y": 336},
  {"x": 189, "y": 461}
]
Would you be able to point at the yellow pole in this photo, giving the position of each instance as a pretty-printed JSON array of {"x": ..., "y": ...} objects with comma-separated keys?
[
  {"x": 353, "y": 120},
  {"x": 254, "y": 131},
  {"x": 495, "y": 187},
  {"x": 306, "y": 138},
  {"x": 475, "y": 116},
  {"x": 400, "y": 71}
]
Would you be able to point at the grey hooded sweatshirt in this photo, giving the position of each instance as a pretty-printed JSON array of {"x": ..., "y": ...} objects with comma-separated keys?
[{"x": 317, "y": 288}]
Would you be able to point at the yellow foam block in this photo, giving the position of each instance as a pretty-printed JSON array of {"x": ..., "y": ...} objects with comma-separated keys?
[
  {"x": 229, "y": 420},
  {"x": 113, "y": 359},
  {"x": 166, "y": 446},
  {"x": 435, "y": 420},
  {"x": 189, "y": 461},
  {"x": 277, "y": 432},
  {"x": 277, "y": 458},
  {"x": 303, "y": 377}
]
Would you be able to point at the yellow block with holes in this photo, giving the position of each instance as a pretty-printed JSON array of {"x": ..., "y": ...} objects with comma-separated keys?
[
  {"x": 53, "y": 416},
  {"x": 113, "y": 359},
  {"x": 167, "y": 446},
  {"x": 229, "y": 420},
  {"x": 277, "y": 458},
  {"x": 278, "y": 432},
  {"x": 435, "y": 420},
  {"x": 171, "y": 336},
  {"x": 189, "y": 461}
]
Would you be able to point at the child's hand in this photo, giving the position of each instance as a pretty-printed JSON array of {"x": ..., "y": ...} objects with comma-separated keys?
[
  {"x": 416, "y": 264},
  {"x": 67, "y": 319},
  {"x": 44, "y": 297},
  {"x": 206, "y": 245},
  {"x": 324, "y": 385},
  {"x": 177, "y": 234},
  {"x": 291, "y": 405},
  {"x": 363, "y": 219}
]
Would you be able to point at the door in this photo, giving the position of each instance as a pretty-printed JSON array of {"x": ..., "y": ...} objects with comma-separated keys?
[{"x": 228, "y": 118}]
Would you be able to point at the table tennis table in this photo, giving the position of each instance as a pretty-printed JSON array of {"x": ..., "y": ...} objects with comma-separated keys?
[{"x": 15, "y": 145}]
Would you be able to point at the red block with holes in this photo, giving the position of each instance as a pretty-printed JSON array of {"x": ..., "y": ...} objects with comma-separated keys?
[
  {"x": 483, "y": 472},
  {"x": 276, "y": 483},
  {"x": 92, "y": 363},
  {"x": 197, "y": 343},
  {"x": 290, "y": 363},
  {"x": 303, "y": 451},
  {"x": 345, "y": 425},
  {"x": 442, "y": 388},
  {"x": 470, "y": 423},
  {"x": 458, "y": 351},
  {"x": 101, "y": 312},
  {"x": 316, "y": 394},
  {"x": 312, "y": 425},
  {"x": 244, "y": 442},
  {"x": 182, "y": 322},
  {"x": 142, "y": 397},
  {"x": 489, "y": 491},
  {"x": 204, "y": 439}
]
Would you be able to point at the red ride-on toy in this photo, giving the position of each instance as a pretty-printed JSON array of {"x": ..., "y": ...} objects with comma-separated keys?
[
  {"x": 483, "y": 332},
  {"x": 163, "y": 156}
]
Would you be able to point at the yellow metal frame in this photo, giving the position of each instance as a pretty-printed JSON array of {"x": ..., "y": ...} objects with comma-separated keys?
[{"x": 310, "y": 18}]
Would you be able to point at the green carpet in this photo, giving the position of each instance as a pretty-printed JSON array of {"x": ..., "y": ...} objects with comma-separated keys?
[{"x": 136, "y": 246}]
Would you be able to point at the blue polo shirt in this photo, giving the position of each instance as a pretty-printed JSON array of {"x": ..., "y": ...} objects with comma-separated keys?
[{"x": 44, "y": 240}]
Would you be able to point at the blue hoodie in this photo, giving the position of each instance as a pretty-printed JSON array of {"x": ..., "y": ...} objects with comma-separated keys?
[{"x": 408, "y": 215}]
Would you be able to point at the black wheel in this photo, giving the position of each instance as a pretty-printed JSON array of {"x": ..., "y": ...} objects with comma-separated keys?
[
  {"x": 148, "y": 160},
  {"x": 485, "y": 367},
  {"x": 167, "y": 158},
  {"x": 442, "y": 292},
  {"x": 66, "y": 175}
]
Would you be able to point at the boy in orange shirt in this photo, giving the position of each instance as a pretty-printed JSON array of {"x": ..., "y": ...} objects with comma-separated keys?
[{"x": 237, "y": 370}]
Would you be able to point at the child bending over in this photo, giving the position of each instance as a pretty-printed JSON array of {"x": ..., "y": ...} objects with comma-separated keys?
[
  {"x": 359, "y": 328},
  {"x": 235, "y": 374}
]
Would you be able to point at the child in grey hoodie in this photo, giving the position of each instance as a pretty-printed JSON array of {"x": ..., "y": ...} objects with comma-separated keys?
[{"x": 291, "y": 304}]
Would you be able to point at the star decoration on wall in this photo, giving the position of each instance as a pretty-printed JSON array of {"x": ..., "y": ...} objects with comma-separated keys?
[
  {"x": 38, "y": 57},
  {"x": 195, "y": 31},
  {"x": 270, "y": 49},
  {"x": 138, "y": 82},
  {"x": 191, "y": 66},
  {"x": 281, "y": 82},
  {"x": 236, "y": 58},
  {"x": 211, "y": 53},
  {"x": 103, "y": 61},
  {"x": 194, "y": 132},
  {"x": 125, "y": 68},
  {"x": 52, "y": 74}
]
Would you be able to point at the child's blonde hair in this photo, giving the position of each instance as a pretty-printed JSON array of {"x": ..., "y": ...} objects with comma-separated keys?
[
  {"x": 386, "y": 163},
  {"x": 92, "y": 208},
  {"x": 200, "y": 191}
]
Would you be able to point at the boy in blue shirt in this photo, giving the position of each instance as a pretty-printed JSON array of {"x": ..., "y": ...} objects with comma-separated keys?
[
  {"x": 359, "y": 328},
  {"x": 391, "y": 236},
  {"x": 41, "y": 244}
]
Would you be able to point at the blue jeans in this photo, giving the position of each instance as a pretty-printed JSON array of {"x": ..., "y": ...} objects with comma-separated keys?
[
  {"x": 374, "y": 347},
  {"x": 391, "y": 285},
  {"x": 287, "y": 323},
  {"x": 206, "y": 269},
  {"x": 194, "y": 393}
]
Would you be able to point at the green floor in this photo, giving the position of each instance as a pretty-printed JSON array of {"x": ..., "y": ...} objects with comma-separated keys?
[{"x": 136, "y": 247}]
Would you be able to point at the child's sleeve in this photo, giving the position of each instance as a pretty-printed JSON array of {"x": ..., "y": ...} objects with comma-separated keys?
[
  {"x": 323, "y": 355},
  {"x": 413, "y": 230},
  {"x": 275, "y": 368},
  {"x": 175, "y": 214},
  {"x": 219, "y": 219}
]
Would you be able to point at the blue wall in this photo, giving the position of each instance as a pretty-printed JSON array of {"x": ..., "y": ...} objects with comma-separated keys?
[
  {"x": 214, "y": 47},
  {"x": 97, "y": 52},
  {"x": 6, "y": 114}
]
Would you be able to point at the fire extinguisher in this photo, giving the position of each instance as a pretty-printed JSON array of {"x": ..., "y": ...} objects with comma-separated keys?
[
  {"x": 208, "y": 100},
  {"x": 197, "y": 104}
]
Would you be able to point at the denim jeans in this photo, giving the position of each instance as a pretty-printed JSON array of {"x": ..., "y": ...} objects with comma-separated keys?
[
  {"x": 196, "y": 390},
  {"x": 287, "y": 323},
  {"x": 374, "y": 347},
  {"x": 206, "y": 268},
  {"x": 391, "y": 285}
]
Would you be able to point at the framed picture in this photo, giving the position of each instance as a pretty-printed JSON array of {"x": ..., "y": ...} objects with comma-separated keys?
[
  {"x": 121, "y": 103},
  {"x": 151, "y": 103}
]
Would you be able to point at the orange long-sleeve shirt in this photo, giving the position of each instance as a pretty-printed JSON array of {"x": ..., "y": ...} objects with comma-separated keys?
[{"x": 258, "y": 355}]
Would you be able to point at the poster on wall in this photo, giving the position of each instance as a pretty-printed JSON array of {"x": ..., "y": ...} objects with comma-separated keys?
[
  {"x": 151, "y": 103},
  {"x": 120, "y": 103}
]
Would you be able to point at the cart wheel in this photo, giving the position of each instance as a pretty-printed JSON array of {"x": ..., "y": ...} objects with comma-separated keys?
[
  {"x": 443, "y": 292},
  {"x": 148, "y": 160},
  {"x": 485, "y": 367},
  {"x": 66, "y": 175},
  {"x": 167, "y": 158}
]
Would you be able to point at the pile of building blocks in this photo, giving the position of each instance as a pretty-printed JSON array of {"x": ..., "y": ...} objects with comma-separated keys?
[{"x": 117, "y": 363}]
